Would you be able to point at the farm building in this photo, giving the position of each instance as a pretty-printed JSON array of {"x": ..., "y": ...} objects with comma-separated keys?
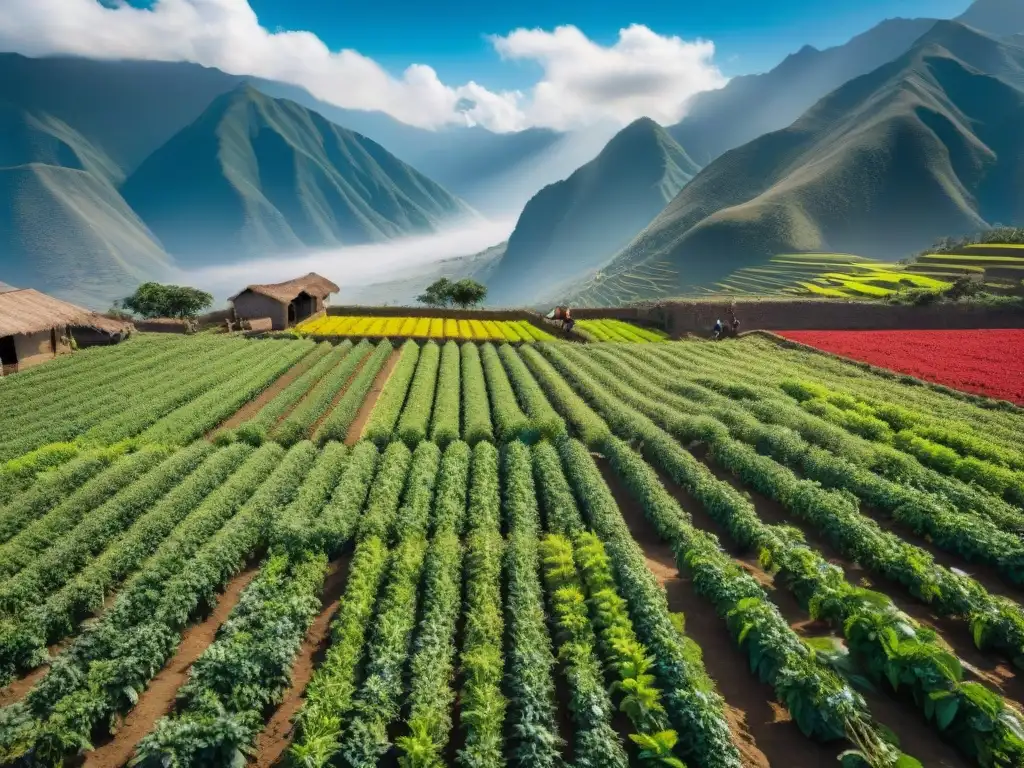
[
  {"x": 35, "y": 328},
  {"x": 284, "y": 303}
]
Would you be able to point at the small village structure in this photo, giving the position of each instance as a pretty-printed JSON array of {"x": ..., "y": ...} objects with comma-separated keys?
[
  {"x": 35, "y": 328},
  {"x": 284, "y": 304}
]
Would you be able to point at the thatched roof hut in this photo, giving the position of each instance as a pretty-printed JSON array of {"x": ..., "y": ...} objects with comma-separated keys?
[
  {"x": 284, "y": 303},
  {"x": 35, "y": 327}
]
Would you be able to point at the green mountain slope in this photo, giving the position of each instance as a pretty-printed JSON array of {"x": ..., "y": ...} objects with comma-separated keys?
[
  {"x": 126, "y": 109},
  {"x": 573, "y": 226},
  {"x": 924, "y": 146},
  {"x": 752, "y": 105},
  {"x": 254, "y": 175},
  {"x": 68, "y": 233}
]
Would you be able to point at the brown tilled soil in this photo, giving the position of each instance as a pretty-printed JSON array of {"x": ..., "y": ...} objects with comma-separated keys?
[
  {"x": 158, "y": 699},
  {"x": 250, "y": 409},
  {"x": 355, "y": 431},
  {"x": 275, "y": 739},
  {"x": 983, "y": 667},
  {"x": 339, "y": 394},
  {"x": 20, "y": 687},
  {"x": 762, "y": 729}
]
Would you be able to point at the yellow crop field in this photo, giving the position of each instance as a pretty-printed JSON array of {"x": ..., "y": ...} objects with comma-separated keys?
[{"x": 424, "y": 328}]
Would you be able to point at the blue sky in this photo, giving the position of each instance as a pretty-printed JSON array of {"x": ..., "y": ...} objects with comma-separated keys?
[
  {"x": 449, "y": 35},
  {"x": 568, "y": 65}
]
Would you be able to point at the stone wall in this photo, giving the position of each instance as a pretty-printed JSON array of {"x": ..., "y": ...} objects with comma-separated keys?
[{"x": 682, "y": 317}]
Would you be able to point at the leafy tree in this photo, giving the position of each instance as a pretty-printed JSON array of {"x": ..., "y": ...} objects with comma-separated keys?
[
  {"x": 156, "y": 300},
  {"x": 467, "y": 293},
  {"x": 437, "y": 294}
]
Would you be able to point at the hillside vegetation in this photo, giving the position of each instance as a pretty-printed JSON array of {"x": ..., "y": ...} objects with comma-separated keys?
[
  {"x": 925, "y": 145},
  {"x": 575, "y": 225},
  {"x": 255, "y": 174}
]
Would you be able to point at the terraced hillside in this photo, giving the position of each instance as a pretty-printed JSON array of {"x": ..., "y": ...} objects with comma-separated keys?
[{"x": 495, "y": 555}]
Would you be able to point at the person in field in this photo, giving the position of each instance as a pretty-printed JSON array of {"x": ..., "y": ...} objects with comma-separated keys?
[
  {"x": 717, "y": 331},
  {"x": 567, "y": 321},
  {"x": 735, "y": 326}
]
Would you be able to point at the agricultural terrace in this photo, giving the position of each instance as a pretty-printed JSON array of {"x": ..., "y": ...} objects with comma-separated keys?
[
  {"x": 437, "y": 328},
  {"x": 617, "y": 330},
  {"x": 217, "y": 551}
]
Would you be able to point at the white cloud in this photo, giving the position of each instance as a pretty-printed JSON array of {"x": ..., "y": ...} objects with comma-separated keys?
[{"x": 643, "y": 73}]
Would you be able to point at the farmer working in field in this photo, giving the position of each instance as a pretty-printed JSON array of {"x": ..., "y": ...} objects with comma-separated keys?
[
  {"x": 717, "y": 332},
  {"x": 567, "y": 321}
]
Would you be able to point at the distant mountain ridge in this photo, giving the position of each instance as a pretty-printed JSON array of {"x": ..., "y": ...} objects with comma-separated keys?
[
  {"x": 254, "y": 175},
  {"x": 752, "y": 105},
  {"x": 926, "y": 145},
  {"x": 63, "y": 226},
  {"x": 575, "y": 225}
]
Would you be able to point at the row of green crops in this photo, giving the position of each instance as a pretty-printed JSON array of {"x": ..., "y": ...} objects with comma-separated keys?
[
  {"x": 617, "y": 330},
  {"x": 141, "y": 630},
  {"x": 980, "y": 722}
]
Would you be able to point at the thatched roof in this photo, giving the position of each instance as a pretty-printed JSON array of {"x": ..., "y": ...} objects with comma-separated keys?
[
  {"x": 28, "y": 311},
  {"x": 313, "y": 284}
]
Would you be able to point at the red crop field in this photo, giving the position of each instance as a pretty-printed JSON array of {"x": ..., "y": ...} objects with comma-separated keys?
[{"x": 987, "y": 362}]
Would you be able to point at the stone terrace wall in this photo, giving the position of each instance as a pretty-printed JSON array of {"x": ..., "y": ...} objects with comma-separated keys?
[{"x": 681, "y": 317}]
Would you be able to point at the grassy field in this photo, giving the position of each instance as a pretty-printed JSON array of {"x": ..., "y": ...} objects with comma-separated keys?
[{"x": 218, "y": 551}]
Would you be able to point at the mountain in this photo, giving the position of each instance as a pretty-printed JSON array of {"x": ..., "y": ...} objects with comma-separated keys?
[
  {"x": 126, "y": 109},
  {"x": 130, "y": 108},
  {"x": 998, "y": 18},
  {"x": 927, "y": 145},
  {"x": 573, "y": 226},
  {"x": 753, "y": 105},
  {"x": 64, "y": 229},
  {"x": 496, "y": 173},
  {"x": 255, "y": 175}
]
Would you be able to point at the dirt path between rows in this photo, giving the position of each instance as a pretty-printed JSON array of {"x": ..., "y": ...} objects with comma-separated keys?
[
  {"x": 20, "y": 687},
  {"x": 158, "y": 698},
  {"x": 982, "y": 667},
  {"x": 355, "y": 431},
  {"x": 762, "y": 730},
  {"x": 277, "y": 736},
  {"x": 254, "y": 406},
  {"x": 339, "y": 394}
]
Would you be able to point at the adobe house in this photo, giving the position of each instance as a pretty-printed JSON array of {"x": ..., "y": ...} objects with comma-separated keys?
[
  {"x": 284, "y": 303},
  {"x": 35, "y": 328}
]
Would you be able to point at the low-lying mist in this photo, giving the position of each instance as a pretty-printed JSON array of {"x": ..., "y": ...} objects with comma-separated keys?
[{"x": 355, "y": 265}]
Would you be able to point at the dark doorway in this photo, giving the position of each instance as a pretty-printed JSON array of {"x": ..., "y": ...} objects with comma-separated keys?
[
  {"x": 53, "y": 340},
  {"x": 291, "y": 313},
  {"x": 8, "y": 352}
]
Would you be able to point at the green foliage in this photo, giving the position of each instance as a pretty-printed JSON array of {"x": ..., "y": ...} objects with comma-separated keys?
[
  {"x": 462, "y": 293},
  {"x": 509, "y": 420},
  {"x": 101, "y": 675},
  {"x": 476, "y": 413},
  {"x": 317, "y": 403},
  {"x": 337, "y": 423},
  {"x": 415, "y": 418},
  {"x": 444, "y": 426},
  {"x": 378, "y": 519},
  {"x": 245, "y": 671},
  {"x": 388, "y": 407},
  {"x": 483, "y": 704},
  {"x": 23, "y": 639},
  {"x": 378, "y": 701},
  {"x": 323, "y": 357},
  {"x": 467, "y": 292},
  {"x": 595, "y": 743},
  {"x": 437, "y": 294},
  {"x": 328, "y": 697},
  {"x": 156, "y": 300},
  {"x": 531, "y": 661},
  {"x": 544, "y": 420}
]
